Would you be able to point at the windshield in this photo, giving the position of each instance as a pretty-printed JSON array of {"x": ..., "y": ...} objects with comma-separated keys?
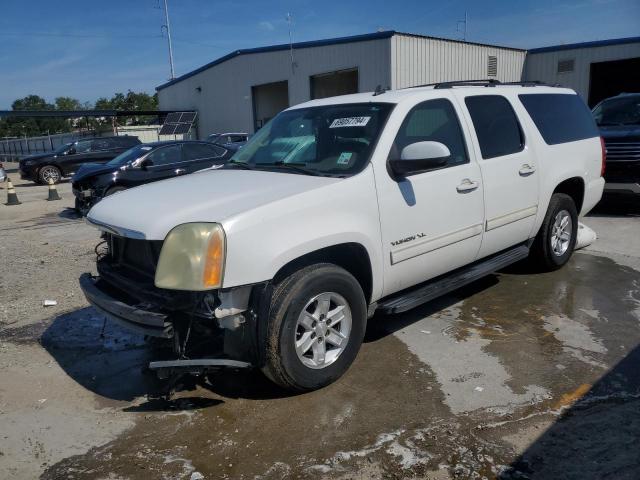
[
  {"x": 214, "y": 138},
  {"x": 328, "y": 140},
  {"x": 130, "y": 155},
  {"x": 62, "y": 148},
  {"x": 618, "y": 111}
]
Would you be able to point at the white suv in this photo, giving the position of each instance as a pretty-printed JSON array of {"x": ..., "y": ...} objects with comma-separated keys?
[{"x": 340, "y": 207}]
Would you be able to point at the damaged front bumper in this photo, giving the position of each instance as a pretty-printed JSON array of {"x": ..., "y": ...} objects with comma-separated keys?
[
  {"x": 227, "y": 336},
  {"x": 116, "y": 306}
]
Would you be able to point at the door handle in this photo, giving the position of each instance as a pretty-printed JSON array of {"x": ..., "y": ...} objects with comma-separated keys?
[
  {"x": 180, "y": 171},
  {"x": 467, "y": 186},
  {"x": 526, "y": 170}
]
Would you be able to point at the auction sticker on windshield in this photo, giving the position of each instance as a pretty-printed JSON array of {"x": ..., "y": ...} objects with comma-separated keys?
[{"x": 350, "y": 122}]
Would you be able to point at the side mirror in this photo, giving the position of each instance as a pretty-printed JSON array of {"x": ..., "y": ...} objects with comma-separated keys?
[
  {"x": 420, "y": 157},
  {"x": 71, "y": 151},
  {"x": 147, "y": 162}
]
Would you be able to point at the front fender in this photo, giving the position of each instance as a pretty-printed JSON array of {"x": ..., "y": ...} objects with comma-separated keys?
[{"x": 261, "y": 241}]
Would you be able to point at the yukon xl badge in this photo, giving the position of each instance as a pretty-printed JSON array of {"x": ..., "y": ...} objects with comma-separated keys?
[{"x": 408, "y": 239}]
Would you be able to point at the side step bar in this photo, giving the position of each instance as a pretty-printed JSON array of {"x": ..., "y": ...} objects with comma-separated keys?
[{"x": 452, "y": 281}]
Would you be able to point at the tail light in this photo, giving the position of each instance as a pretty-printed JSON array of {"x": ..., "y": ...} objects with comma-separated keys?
[{"x": 604, "y": 157}]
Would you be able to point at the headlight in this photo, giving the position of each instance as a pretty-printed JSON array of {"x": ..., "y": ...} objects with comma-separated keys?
[{"x": 192, "y": 258}]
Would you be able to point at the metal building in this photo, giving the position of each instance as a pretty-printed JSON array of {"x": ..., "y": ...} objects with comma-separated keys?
[
  {"x": 243, "y": 90},
  {"x": 596, "y": 70}
]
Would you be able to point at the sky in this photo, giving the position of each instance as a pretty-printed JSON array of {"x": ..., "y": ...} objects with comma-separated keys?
[{"x": 90, "y": 49}]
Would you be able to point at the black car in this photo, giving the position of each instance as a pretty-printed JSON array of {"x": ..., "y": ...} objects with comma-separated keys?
[
  {"x": 619, "y": 121},
  {"x": 144, "y": 164},
  {"x": 65, "y": 160}
]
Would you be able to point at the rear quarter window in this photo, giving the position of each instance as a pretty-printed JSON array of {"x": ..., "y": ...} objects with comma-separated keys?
[{"x": 560, "y": 117}]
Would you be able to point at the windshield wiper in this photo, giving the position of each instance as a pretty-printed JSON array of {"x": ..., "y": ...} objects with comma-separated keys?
[
  {"x": 296, "y": 167},
  {"x": 243, "y": 165}
]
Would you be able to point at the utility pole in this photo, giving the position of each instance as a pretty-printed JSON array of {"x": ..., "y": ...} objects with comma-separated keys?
[
  {"x": 464, "y": 31},
  {"x": 167, "y": 26},
  {"x": 291, "y": 43}
]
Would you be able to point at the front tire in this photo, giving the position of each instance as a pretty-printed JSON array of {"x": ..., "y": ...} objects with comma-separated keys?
[
  {"x": 554, "y": 244},
  {"x": 317, "y": 320},
  {"x": 49, "y": 172}
]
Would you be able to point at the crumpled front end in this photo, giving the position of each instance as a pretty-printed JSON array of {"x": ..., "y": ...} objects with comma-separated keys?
[{"x": 206, "y": 324}]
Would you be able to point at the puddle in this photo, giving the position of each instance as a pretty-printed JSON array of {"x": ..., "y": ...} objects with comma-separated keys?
[{"x": 437, "y": 390}]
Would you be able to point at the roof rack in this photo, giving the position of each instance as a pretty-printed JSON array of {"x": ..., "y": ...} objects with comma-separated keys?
[
  {"x": 461, "y": 83},
  {"x": 491, "y": 82}
]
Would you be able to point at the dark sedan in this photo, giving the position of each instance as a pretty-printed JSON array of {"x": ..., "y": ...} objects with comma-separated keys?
[
  {"x": 144, "y": 164},
  {"x": 68, "y": 158}
]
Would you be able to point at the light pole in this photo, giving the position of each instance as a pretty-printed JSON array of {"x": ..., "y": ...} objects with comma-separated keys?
[{"x": 167, "y": 26}]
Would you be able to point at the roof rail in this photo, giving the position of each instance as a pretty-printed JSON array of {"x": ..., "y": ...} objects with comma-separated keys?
[{"x": 491, "y": 82}]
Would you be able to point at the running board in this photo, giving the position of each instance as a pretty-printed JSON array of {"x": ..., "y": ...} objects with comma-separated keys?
[{"x": 452, "y": 281}]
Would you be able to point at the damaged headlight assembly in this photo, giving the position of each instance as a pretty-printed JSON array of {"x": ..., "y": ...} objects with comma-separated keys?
[{"x": 192, "y": 258}]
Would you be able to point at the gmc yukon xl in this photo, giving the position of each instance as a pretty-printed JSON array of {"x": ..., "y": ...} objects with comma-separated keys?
[{"x": 342, "y": 206}]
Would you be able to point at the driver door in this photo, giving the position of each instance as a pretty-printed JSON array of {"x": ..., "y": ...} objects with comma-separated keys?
[{"x": 431, "y": 221}]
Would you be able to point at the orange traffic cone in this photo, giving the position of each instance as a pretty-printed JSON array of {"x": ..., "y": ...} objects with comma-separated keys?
[{"x": 12, "y": 198}]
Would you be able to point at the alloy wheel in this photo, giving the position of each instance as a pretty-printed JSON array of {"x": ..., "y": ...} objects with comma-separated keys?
[
  {"x": 322, "y": 330},
  {"x": 561, "y": 232}
]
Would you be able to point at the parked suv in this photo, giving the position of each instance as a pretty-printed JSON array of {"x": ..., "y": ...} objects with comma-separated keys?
[
  {"x": 142, "y": 164},
  {"x": 66, "y": 159},
  {"x": 619, "y": 122},
  {"x": 342, "y": 206}
]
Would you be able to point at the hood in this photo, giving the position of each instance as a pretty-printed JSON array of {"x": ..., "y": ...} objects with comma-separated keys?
[
  {"x": 87, "y": 170},
  {"x": 152, "y": 210},
  {"x": 625, "y": 133}
]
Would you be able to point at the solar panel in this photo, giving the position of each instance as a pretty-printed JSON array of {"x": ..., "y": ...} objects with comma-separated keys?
[
  {"x": 182, "y": 128},
  {"x": 187, "y": 117},
  {"x": 168, "y": 129},
  {"x": 173, "y": 117},
  {"x": 178, "y": 123}
]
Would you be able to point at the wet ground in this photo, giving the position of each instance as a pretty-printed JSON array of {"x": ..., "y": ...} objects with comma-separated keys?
[{"x": 520, "y": 375}]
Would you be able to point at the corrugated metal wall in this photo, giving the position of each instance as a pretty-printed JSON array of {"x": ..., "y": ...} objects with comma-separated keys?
[
  {"x": 225, "y": 104},
  {"x": 418, "y": 60},
  {"x": 544, "y": 66}
]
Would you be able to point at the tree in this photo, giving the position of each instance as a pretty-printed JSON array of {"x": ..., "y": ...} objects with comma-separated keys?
[{"x": 68, "y": 103}]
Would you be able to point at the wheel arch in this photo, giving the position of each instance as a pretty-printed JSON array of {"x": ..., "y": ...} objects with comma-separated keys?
[
  {"x": 351, "y": 256},
  {"x": 575, "y": 188}
]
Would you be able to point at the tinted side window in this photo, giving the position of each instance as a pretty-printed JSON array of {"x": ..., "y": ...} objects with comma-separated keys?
[
  {"x": 194, "y": 151},
  {"x": 99, "y": 145},
  {"x": 166, "y": 155},
  {"x": 83, "y": 146},
  {"x": 435, "y": 121},
  {"x": 496, "y": 125},
  {"x": 560, "y": 117}
]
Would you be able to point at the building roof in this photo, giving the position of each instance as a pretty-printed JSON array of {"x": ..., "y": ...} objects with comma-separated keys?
[
  {"x": 315, "y": 43},
  {"x": 597, "y": 43}
]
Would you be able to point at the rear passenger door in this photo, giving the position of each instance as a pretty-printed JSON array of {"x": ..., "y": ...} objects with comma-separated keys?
[
  {"x": 165, "y": 162},
  {"x": 102, "y": 150},
  {"x": 202, "y": 155},
  {"x": 509, "y": 171}
]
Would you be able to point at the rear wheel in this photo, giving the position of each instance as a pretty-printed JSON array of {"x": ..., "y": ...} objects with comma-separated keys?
[
  {"x": 49, "y": 172},
  {"x": 556, "y": 239},
  {"x": 315, "y": 327}
]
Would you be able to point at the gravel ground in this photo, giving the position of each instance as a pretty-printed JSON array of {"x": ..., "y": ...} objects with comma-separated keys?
[{"x": 516, "y": 376}]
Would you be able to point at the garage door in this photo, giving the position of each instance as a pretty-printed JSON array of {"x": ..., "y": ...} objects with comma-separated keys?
[
  {"x": 331, "y": 84},
  {"x": 268, "y": 100},
  {"x": 608, "y": 79}
]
